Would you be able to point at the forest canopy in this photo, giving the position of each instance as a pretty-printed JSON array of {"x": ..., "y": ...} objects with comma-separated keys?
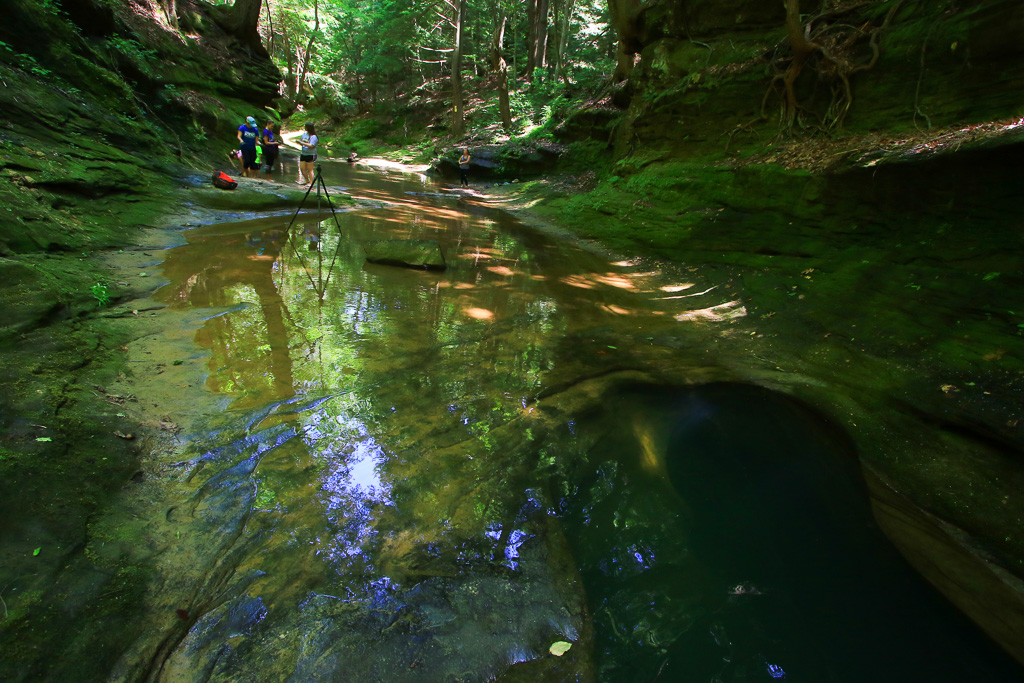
[{"x": 524, "y": 57}]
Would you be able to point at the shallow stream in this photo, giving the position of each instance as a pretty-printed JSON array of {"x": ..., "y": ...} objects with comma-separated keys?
[{"x": 404, "y": 474}]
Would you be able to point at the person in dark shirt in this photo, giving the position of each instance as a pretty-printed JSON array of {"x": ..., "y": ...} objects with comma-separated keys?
[
  {"x": 248, "y": 136},
  {"x": 464, "y": 167},
  {"x": 270, "y": 142}
]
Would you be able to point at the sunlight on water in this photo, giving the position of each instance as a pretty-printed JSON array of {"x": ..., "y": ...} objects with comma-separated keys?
[{"x": 391, "y": 496}]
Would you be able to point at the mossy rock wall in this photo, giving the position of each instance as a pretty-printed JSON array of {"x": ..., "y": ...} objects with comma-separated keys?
[
  {"x": 708, "y": 68},
  {"x": 105, "y": 107}
]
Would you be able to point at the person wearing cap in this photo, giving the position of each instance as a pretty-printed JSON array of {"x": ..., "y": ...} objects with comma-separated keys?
[{"x": 248, "y": 136}]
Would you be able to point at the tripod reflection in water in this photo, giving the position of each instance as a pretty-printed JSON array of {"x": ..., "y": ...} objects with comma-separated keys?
[{"x": 312, "y": 236}]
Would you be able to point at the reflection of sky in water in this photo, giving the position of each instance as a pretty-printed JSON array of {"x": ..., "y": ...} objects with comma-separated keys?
[
  {"x": 351, "y": 487},
  {"x": 515, "y": 539}
]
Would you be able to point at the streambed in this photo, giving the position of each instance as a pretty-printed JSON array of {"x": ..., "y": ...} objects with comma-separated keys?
[{"x": 378, "y": 473}]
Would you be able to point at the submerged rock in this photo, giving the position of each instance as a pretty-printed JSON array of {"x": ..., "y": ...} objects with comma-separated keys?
[{"x": 424, "y": 254}]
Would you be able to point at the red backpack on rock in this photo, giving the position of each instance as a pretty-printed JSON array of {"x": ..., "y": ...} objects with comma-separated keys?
[{"x": 224, "y": 181}]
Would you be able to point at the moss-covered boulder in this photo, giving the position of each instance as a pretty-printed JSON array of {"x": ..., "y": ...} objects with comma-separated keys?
[
  {"x": 407, "y": 253},
  {"x": 493, "y": 162}
]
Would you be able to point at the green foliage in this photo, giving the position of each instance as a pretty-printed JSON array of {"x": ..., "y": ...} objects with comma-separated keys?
[
  {"x": 21, "y": 60},
  {"x": 390, "y": 57},
  {"x": 331, "y": 96},
  {"x": 520, "y": 105},
  {"x": 198, "y": 134},
  {"x": 101, "y": 293},
  {"x": 133, "y": 51}
]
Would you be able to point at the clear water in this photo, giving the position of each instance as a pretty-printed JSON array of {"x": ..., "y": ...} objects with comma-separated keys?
[
  {"x": 723, "y": 535},
  {"x": 396, "y": 474}
]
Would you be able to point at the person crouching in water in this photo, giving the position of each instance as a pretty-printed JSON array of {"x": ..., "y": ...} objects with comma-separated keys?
[
  {"x": 270, "y": 142},
  {"x": 307, "y": 155},
  {"x": 248, "y": 136}
]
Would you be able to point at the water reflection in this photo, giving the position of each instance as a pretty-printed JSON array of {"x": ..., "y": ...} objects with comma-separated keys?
[
  {"x": 403, "y": 484},
  {"x": 406, "y": 489}
]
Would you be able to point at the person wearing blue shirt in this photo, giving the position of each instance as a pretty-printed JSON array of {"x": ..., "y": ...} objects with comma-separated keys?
[
  {"x": 248, "y": 136},
  {"x": 269, "y": 142}
]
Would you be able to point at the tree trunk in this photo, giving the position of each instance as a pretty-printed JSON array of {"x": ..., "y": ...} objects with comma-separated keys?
[
  {"x": 501, "y": 68},
  {"x": 457, "y": 113},
  {"x": 540, "y": 44},
  {"x": 802, "y": 49},
  {"x": 497, "y": 56},
  {"x": 289, "y": 83},
  {"x": 270, "y": 26},
  {"x": 307, "y": 58},
  {"x": 623, "y": 20},
  {"x": 531, "y": 36},
  {"x": 243, "y": 23},
  {"x": 515, "y": 55},
  {"x": 475, "y": 43},
  {"x": 563, "y": 37}
]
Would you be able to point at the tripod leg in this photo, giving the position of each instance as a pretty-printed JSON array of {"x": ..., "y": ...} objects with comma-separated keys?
[
  {"x": 330, "y": 205},
  {"x": 299, "y": 208}
]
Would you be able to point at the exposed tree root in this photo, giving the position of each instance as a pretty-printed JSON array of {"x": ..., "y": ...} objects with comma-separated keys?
[
  {"x": 831, "y": 49},
  {"x": 747, "y": 127}
]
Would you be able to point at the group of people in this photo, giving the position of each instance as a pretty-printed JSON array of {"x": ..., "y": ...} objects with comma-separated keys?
[
  {"x": 256, "y": 149},
  {"x": 261, "y": 148}
]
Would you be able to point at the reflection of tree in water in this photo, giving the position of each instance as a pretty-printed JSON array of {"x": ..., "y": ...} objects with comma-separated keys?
[
  {"x": 423, "y": 466},
  {"x": 319, "y": 325},
  {"x": 248, "y": 349}
]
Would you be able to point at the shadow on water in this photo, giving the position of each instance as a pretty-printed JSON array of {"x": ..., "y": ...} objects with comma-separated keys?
[{"x": 725, "y": 535}]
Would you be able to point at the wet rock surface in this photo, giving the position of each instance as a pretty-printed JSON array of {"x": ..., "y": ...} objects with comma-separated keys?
[
  {"x": 494, "y": 162},
  {"x": 425, "y": 254}
]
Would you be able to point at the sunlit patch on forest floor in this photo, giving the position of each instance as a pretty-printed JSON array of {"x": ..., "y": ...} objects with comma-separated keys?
[{"x": 824, "y": 154}]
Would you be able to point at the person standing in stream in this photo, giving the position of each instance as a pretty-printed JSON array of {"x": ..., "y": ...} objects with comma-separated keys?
[
  {"x": 248, "y": 136},
  {"x": 270, "y": 143},
  {"x": 464, "y": 167},
  {"x": 307, "y": 155}
]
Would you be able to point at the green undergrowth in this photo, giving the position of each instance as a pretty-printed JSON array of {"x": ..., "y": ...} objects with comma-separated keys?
[
  {"x": 654, "y": 205},
  {"x": 398, "y": 137}
]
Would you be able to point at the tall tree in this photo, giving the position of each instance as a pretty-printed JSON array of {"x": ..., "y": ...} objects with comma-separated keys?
[
  {"x": 540, "y": 46},
  {"x": 563, "y": 27},
  {"x": 536, "y": 34},
  {"x": 270, "y": 22},
  {"x": 307, "y": 56},
  {"x": 242, "y": 21},
  {"x": 624, "y": 21},
  {"x": 500, "y": 67},
  {"x": 458, "y": 119}
]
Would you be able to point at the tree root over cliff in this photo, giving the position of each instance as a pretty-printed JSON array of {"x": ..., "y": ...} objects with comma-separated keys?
[{"x": 834, "y": 50}]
